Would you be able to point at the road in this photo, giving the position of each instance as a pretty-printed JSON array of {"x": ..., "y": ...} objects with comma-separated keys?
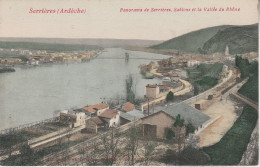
[
  {"x": 70, "y": 131},
  {"x": 224, "y": 113},
  {"x": 246, "y": 100}
]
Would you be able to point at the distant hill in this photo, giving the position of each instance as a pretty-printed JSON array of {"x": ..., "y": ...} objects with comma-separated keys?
[
  {"x": 46, "y": 46},
  {"x": 88, "y": 41},
  {"x": 240, "y": 39},
  {"x": 192, "y": 41}
]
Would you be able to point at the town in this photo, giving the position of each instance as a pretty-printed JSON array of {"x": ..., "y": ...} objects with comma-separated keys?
[
  {"x": 13, "y": 57},
  {"x": 175, "y": 118}
]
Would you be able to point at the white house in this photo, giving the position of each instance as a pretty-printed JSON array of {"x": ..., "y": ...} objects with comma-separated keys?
[
  {"x": 111, "y": 117},
  {"x": 75, "y": 118},
  {"x": 192, "y": 63}
]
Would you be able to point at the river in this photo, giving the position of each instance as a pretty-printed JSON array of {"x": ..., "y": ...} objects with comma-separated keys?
[{"x": 33, "y": 94}]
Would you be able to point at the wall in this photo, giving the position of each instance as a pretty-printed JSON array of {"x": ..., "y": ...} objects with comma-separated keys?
[
  {"x": 79, "y": 123},
  {"x": 115, "y": 120},
  {"x": 162, "y": 121},
  {"x": 102, "y": 110},
  {"x": 152, "y": 92},
  {"x": 38, "y": 139},
  {"x": 91, "y": 126}
]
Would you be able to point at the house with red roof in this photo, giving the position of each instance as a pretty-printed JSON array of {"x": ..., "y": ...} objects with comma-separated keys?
[
  {"x": 127, "y": 107},
  {"x": 111, "y": 117},
  {"x": 95, "y": 110}
]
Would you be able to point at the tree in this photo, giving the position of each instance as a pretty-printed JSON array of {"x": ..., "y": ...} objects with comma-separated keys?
[
  {"x": 82, "y": 152},
  {"x": 27, "y": 154},
  {"x": 170, "y": 135},
  {"x": 170, "y": 157},
  {"x": 149, "y": 148},
  {"x": 193, "y": 141},
  {"x": 192, "y": 156},
  {"x": 90, "y": 156},
  {"x": 196, "y": 89},
  {"x": 132, "y": 143},
  {"x": 110, "y": 148},
  {"x": 130, "y": 95},
  {"x": 178, "y": 125},
  {"x": 189, "y": 129},
  {"x": 170, "y": 96}
]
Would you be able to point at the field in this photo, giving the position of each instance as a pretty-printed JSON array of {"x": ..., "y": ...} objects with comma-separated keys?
[
  {"x": 229, "y": 150},
  {"x": 205, "y": 76}
]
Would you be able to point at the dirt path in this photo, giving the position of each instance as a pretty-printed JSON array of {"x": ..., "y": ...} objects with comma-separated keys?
[{"x": 225, "y": 112}]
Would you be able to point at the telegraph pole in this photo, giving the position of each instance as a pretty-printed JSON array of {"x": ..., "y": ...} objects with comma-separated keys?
[{"x": 148, "y": 107}]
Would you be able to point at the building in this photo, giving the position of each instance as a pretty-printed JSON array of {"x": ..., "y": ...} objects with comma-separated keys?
[
  {"x": 95, "y": 124},
  {"x": 189, "y": 114},
  {"x": 127, "y": 107},
  {"x": 95, "y": 110},
  {"x": 75, "y": 118},
  {"x": 154, "y": 127},
  {"x": 155, "y": 91},
  {"x": 193, "y": 63},
  {"x": 227, "y": 51},
  {"x": 111, "y": 117},
  {"x": 126, "y": 117}
]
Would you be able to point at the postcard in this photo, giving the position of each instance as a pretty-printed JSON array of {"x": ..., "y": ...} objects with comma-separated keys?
[{"x": 128, "y": 82}]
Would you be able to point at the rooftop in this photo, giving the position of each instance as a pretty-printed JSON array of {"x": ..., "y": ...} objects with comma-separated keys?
[
  {"x": 94, "y": 108},
  {"x": 108, "y": 113},
  {"x": 132, "y": 115},
  {"x": 188, "y": 113},
  {"x": 128, "y": 107},
  {"x": 98, "y": 121}
]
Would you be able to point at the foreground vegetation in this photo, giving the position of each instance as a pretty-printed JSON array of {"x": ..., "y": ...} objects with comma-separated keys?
[
  {"x": 30, "y": 157},
  {"x": 229, "y": 150},
  {"x": 250, "y": 88},
  {"x": 205, "y": 76},
  {"x": 46, "y": 46},
  {"x": 5, "y": 69}
]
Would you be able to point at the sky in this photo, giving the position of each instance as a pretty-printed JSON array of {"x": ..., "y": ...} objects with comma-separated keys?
[{"x": 103, "y": 18}]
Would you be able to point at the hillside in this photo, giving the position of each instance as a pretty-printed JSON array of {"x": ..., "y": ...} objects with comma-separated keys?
[
  {"x": 46, "y": 46},
  {"x": 240, "y": 39},
  {"x": 192, "y": 41}
]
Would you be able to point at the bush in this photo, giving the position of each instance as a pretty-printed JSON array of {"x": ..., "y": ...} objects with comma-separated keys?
[
  {"x": 170, "y": 135},
  {"x": 204, "y": 77},
  {"x": 250, "y": 88},
  {"x": 170, "y": 157},
  {"x": 190, "y": 129},
  {"x": 170, "y": 96},
  {"x": 192, "y": 156}
]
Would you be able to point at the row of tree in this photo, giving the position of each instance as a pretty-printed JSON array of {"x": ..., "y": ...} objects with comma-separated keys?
[{"x": 116, "y": 146}]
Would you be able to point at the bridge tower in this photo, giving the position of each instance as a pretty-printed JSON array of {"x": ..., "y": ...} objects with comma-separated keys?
[{"x": 126, "y": 57}]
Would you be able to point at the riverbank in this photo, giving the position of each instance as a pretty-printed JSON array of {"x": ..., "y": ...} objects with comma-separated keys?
[
  {"x": 47, "y": 58},
  {"x": 6, "y": 69}
]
